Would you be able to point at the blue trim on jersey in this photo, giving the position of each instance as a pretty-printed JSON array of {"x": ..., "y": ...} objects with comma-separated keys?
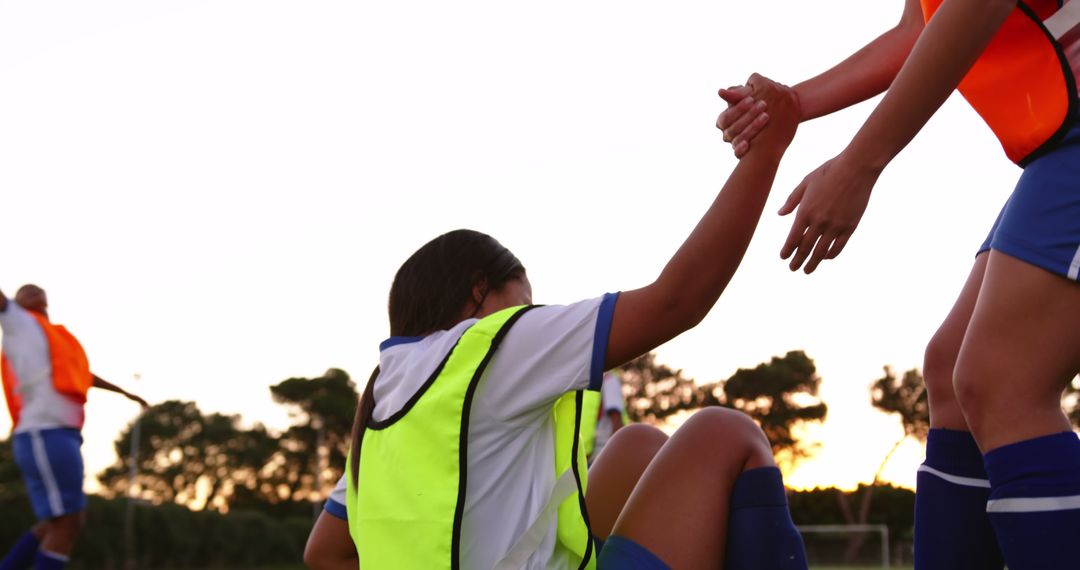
[
  {"x": 51, "y": 464},
  {"x": 600, "y": 340},
  {"x": 336, "y": 509},
  {"x": 396, "y": 340}
]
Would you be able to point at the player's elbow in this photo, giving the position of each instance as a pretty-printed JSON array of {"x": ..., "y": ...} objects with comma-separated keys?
[
  {"x": 686, "y": 310},
  {"x": 909, "y": 28},
  {"x": 317, "y": 558}
]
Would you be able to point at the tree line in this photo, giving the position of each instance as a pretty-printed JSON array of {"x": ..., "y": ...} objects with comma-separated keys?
[{"x": 205, "y": 482}]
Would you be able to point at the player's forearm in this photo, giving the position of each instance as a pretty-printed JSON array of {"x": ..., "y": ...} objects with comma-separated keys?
[
  {"x": 948, "y": 47},
  {"x": 867, "y": 73},
  {"x": 106, "y": 385},
  {"x": 697, "y": 274}
]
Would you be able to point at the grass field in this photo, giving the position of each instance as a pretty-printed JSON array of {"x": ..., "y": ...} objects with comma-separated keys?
[{"x": 859, "y": 568}]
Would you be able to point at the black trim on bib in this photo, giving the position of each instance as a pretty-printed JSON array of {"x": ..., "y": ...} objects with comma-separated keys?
[
  {"x": 459, "y": 511},
  {"x": 378, "y": 425},
  {"x": 579, "y": 405},
  {"x": 1070, "y": 85}
]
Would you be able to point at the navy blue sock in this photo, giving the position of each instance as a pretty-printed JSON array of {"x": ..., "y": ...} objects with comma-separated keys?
[
  {"x": 21, "y": 556},
  {"x": 952, "y": 529},
  {"x": 761, "y": 534},
  {"x": 50, "y": 561},
  {"x": 1035, "y": 501}
]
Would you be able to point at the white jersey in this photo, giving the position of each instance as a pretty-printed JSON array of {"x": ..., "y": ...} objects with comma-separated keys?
[
  {"x": 550, "y": 351},
  {"x": 611, "y": 400},
  {"x": 27, "y": 349},
  {"x": 1070, "y": 44}
]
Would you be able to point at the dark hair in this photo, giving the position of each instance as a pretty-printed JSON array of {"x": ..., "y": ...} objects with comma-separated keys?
[{"x": 428, "y": 293}]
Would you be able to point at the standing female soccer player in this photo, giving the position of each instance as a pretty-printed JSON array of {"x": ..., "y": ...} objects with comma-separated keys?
[
  {"x": 996, "y": 367},
  {"x": 466, "y": 452}
]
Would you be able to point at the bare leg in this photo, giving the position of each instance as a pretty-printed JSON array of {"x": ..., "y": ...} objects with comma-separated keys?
[
  {"x": 689, "y": 485},
  {"x": 616, "y": 471},
  {"x": 1022, "y": 348},
  {"x": 40, "y": 529},
  {"x": 952, "y": 529},
  {"x": 941, "y": 353},
  {"x": 61, "y": 532}
]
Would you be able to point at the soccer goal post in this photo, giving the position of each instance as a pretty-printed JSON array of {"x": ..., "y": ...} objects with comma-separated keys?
[{"x": 849, "y": 529}]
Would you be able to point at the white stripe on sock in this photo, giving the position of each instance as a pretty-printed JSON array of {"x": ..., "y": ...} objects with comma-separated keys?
[
  {"x": 55, "y": 556},
  {"x": 41, "y": 458},
  {"x": 1074, "y": 268},
  {"x": 956, "y": 479},
  {"x": 1033, "y": 504}
]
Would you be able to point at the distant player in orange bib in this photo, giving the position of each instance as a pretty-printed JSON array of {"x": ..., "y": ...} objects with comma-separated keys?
[{"x": 46, "y": 376}]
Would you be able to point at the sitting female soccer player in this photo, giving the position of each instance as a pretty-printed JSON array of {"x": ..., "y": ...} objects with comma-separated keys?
[{"x": 465, "y": 450}]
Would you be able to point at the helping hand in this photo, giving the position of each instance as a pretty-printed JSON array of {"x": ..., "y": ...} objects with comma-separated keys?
[
  {"x": 783, "y": 117},
  {"x": 746, "y": 114},
  {"x": 831, "y": 201}
]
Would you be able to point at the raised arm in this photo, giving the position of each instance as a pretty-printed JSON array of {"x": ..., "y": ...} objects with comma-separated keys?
[
  {"x": 864, "y": 74},
  {"x": 832, "y": 199},
  {"x": 100, "y": 383},
  {"x": 697, "y": 274}
]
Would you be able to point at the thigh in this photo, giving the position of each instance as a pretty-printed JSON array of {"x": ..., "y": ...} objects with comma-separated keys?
[
  {"x": 1020, "y": 350},
  {"x": 616, "y": 471},
  {"x": 688, "y": 486}
]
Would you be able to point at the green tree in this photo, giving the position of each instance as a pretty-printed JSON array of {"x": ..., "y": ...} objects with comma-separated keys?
[
  {"x": 779, "y": 395},
  {"x": 904, "y": 396},
  {"x": 1070, "y": 401},
  {"x": 209, "y": 460},
  {"x": 312, "y": 451},
  {"x": 190, "y": 458},
  {"x": 14, "y": 502}
]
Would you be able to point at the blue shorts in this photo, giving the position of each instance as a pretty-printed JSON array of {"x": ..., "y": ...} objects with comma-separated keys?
[
  {"x": 624, "y": 554},
  {"x": 1040, "y": 222},
  {"x": 52, "y": 467}
]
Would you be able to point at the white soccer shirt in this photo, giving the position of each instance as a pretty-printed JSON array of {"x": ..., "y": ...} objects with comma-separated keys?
[
  {"x": 28, "y": 351},
  {"x": 611, "y": 400},
  {"x": 550, "y": 351}
]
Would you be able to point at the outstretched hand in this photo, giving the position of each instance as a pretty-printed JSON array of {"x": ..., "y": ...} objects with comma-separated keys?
[
  {"x": 830, "y": 202},
  {"x": 746, "y": 115},
  {"x": 783, "y": 116}
]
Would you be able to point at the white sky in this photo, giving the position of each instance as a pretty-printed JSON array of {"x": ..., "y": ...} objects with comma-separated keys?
[{"x": 216, "y": 194}]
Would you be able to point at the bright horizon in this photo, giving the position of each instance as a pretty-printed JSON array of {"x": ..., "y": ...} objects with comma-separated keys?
[{"x": 216, "y": 194}]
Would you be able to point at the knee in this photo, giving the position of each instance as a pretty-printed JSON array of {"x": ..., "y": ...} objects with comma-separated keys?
[
  {"x": 721, "y": 432},
  {"x": 633, "y": 444},
  {"x": 39, "y": 529},
  {"x": 639, "y": 436},
  {"x": 66, "y": 525},
  {"x": 973, "y": 385},
  {"x": 939, "y": 361}
]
